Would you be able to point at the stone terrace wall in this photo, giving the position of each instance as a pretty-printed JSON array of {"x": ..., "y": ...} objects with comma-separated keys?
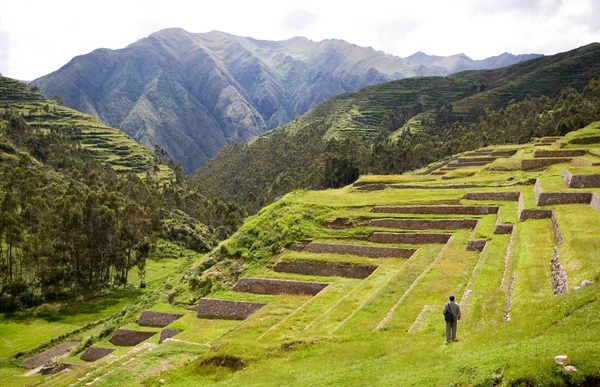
[
  {"x": 273, "y": 286},
  {"x": 225, "y": 309},
  {"x": 44, "y": 357},
  {"x": 462, "y": 160},
  {"x": 549, "y": 198},
  {"x": 425, "y": 224},
  {"x": 442, "y": 210},
  {"x": 360, "y": 250},
  {"x": 503, "y": 228},
  {"x": 325, "y": 268},
  {"x": 595, "y": 202},
  {"x": 128, "y": 337},
  {"x": 502, "y": 196},
  {"x": 96, "y": 353},
  {"x": 476, "y": 244},
  {"x": 556, "y": 230},
  {"x": 534, "y": 214},
  {"x": 157, "y": 319},
  {"x": 167, "y": 334},
  {"x": 409, "y": 238},
  {"x": 559, "y": 277},
  {"x": 541, "y": 153},
  {"x": 580, "y": 181},
  {"x": 539, "y": 163}
]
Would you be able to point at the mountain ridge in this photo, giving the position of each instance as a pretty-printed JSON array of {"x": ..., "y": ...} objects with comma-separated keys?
[{"x": 192, "y": 93}]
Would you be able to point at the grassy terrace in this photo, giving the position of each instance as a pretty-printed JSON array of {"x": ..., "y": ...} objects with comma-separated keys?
[
  {"x": 109, "y": 145},
  {"x": 387, "y": 328}
]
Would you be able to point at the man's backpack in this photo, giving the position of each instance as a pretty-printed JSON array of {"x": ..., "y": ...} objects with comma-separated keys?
[{"x": 448, "y": 315}]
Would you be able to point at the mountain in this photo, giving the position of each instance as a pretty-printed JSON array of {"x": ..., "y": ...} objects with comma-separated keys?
[
  {"x": 193, "y": 93},
  {"x": 447, "y": 65},
  {"x": 397, "y": 126}
]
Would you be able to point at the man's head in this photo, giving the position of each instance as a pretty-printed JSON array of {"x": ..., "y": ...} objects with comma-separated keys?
[{"x": 452, "y": 297}]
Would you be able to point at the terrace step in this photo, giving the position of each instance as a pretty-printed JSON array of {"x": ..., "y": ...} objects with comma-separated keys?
[
  {"x": 409, "y": 238},
  {"x": 549, "y": 198},
  {"x": 321, "y": 268},
  {"x": 226, "y": 309},
  {"x": 359, "y": 250},
  {"x": 273, "y": 286},
  {"x": 476, "y": 244},
  {"x": 544, "y": 153},
  {"x": 540, "y": 163},
  {"x": 130, "y": 337},
  {"x": 96, "y": 353},
  {"x": 580, "y": 181},
  {"x": 503, "y": 196},
  {"x": 445, "y": 210},
  {"x": 425, "y": 224},
  {"x": 157, "y": 319},
  {"x": 44, "y": 357}
]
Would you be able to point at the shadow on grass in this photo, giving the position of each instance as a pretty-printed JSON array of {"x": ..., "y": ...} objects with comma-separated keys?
[{"x": 58, "y": 311}]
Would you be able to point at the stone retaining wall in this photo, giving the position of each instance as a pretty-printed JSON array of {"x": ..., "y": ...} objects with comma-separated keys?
[
  {"x": 442, "y": 210},
  {"x": 273, "y": 286},
  {"x": 539, "y": 163},
  {"x": 359, "y": 250},
  {"x": 44, "y": 357},
  {"x": 157, "y": 319},
  {"x": 167, "y": 334},
  {"x": 534, "y": 214},
  {"x": 541, "y": 153},
  {"x": 559, "y": 277},
  {"x": 129, "y": 337},
  {"x": 501, "y": 196},
  {"x": 583, "y": 163},
  {"x": 595, "y": 202},
  {"x": 325, "y": 268},
  {"x": 476, "y": 244},
  {"x": 96, "y": 353},
  {"x": 556, "y": 230},
  {"x": 409, "y": 238},
  {"x": 226, "y": 309},
  {"x": 549, "y": 198},
  {"x": 462, "y": 160},
  {"x": 580, "y": 181},
  {"x": 425, "y": 224},
  {"x": 503, "y": 228}
]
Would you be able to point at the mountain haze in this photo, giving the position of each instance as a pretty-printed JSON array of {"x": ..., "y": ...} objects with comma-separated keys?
[{"x": 193, "y": 93}]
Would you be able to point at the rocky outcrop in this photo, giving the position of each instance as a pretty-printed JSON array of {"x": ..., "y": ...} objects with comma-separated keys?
[
  {"x": 443, "y": 210},
  {"x": 425, "y": 224},
  {"x": 359, "y": 250},
  {"x": 273, "y": 286},
  {"x": 325, "y": 268},
  {"x": 226, "y": 309},
  {"x": 559, "y": 277}
]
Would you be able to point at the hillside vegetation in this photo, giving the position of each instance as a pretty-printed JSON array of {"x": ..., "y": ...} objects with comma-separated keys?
[
  {"x": 192, "y": 93},
  {"x": 522, "y": 259},
  {"x": 406, "y": 124}
]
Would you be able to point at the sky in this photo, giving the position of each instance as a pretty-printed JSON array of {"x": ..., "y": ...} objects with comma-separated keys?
[{"x": 39, "y": 36}]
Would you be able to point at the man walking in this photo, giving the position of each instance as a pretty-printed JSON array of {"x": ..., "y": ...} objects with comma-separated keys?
[{"x": 451, "y": 315}]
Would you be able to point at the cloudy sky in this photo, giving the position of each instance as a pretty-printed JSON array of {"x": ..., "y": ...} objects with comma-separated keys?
[{"x": 39, "y": 36}]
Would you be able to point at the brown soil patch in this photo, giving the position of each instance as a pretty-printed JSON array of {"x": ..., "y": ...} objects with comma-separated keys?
[
  {"x": 44, "y": 357},
  {"x": 325, "y": 269},
  {"x": 225, "y": 309},
  {"x": 129, "y": 337},
  {"x": 96, "y": 353},
  {"x": 157, "y": 319},
  {"x": 273, "y": 286}
]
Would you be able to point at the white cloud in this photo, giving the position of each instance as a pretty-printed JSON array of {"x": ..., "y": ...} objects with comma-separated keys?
[{"x": 35, "y": 43}]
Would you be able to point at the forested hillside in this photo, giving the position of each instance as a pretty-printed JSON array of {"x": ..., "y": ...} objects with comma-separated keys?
[
  {"x": 192, "y": 93},
  {"x": 77, "y": 213},
  {"x": 404, "y": 125}
]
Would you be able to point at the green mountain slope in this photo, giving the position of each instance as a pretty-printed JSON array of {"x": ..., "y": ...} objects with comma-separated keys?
[
  {"x": 337, "y": 136},
  {"x": 193, "y": 93}
]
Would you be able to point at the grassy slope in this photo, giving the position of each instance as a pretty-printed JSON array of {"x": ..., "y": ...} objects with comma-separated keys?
[{"x": 332, "y": 338}]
